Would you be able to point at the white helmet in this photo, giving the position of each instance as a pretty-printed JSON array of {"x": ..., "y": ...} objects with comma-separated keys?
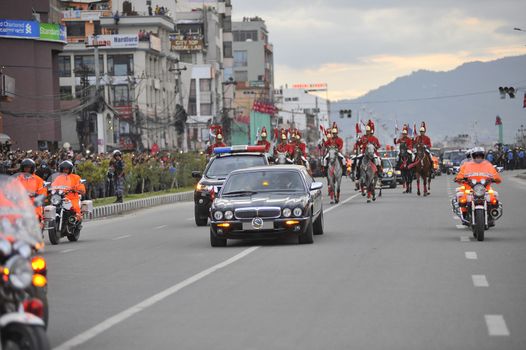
[{"x": 478, "y": 151}]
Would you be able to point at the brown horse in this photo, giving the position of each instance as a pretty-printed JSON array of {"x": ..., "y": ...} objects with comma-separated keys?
[{"x": 423, "y": 168}]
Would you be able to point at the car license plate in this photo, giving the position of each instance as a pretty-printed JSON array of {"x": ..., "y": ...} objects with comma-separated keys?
[{"x": 267, "y": 225}]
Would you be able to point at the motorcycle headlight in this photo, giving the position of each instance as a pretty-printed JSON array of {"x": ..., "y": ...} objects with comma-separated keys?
[
  {"x": 218, "y": 215},
  {"x": 297, "y": 212},
  {"x": 56, "y": 199},
  {"x": 200, "y": 187},
  {"x": 287, "y": 212},
  {"x": 19, "y": 271},
  {"x": 479, "y": 190},
  {"x": 229, "y": 215}
]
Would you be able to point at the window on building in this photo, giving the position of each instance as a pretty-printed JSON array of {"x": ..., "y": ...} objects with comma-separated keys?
[
  {"x": 120, "y": 65},
  {"x": 206, "y": 109},
  {"x": 240, "y": 58},
  {"x": 96, "y": 28},
  {"x": 205, "y": 85},
  {"x": 192, "y": 88},
  {"x": 66, "y": 93},
  {"x": 64, "y": 66},
  {"x": 88, "y": 62},
  {"x": 76, "y": 28},
  {"x": 186, "y": 57},
  {"x": 120, "y": 95},
  {"x": 241, "y": 75},
  {"x": 227, "y": 24},
  {"x": 227, "y": 49},
  {"x": 245, "y": 35}
]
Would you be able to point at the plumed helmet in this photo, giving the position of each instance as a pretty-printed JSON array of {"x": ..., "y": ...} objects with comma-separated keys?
[
  {"x": 28, "y": 163},
  {"x": 423, "y": 127},
  {"x": 405, "y": 129},
  {"x": 263, "y": 132},
  {"x": 334, "y": 129}
]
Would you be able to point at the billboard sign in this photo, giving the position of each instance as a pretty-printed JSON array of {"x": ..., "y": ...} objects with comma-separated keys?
[
  {"x": 193, "y": 42},
  {"x": 316, "y": 86},
  {"x": 11, "y": 28},
  {"x": 117, "y": 41}
]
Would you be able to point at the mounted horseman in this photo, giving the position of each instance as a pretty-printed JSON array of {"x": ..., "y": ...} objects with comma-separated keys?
[
  {"x": 263, "y": 141},
  {"x": 334, "y": 141},
  {"x": 362, "y": 143},
  {"x": 283, "y": 151},
  {"x": 423, "y": 166},
  {"x": 405, "y": 158},
  {"x": 219, "y": 141}
]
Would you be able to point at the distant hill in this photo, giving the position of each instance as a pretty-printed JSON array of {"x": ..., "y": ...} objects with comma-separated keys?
[{"x": 419, "y": 96}]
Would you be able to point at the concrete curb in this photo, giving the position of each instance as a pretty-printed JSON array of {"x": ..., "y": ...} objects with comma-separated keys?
[{"x": 121, "y": 208}]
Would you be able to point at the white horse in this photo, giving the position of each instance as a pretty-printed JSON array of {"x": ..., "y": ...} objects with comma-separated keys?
[{"x": 334, "y": 174}]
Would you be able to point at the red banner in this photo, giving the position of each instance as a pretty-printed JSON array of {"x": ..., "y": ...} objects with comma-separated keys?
[
  {"x": 125, "y": 112},
  {"x": 498, "y": 121}
]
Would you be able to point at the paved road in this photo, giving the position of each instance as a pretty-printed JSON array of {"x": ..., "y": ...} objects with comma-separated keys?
[{"x": 394, "y": 274}]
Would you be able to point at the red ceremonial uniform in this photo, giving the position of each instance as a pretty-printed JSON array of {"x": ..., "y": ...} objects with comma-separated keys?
[
  {"x": 367, "y": 139},
  {"x": 422, "y": 139},
  {"x": 407, "y": 140},
  {"x": 282, "y": 148},
  {"x": 264, "y": 143},
  {"x": 302, "y": 147},
  {"x": 338, "y": 142}
]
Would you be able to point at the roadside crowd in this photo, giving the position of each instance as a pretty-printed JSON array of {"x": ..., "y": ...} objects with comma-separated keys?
[{"x": 142, "y": 171}]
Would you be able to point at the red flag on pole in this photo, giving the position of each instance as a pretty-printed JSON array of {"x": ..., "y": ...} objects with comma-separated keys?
[
  {"x": 498, "y": 121},
  {"x": 524, "y": 103},
  {"x": 414, "y": 130},
  {"x": 358, "y": 131}
]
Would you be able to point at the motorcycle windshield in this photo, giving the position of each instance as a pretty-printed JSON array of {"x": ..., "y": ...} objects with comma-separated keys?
[
  {"x": 17, "y": 213},
  {"x": 60, "y": 182}
]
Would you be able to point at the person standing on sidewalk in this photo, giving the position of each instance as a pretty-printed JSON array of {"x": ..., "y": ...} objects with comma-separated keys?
[{"x": 118, "y": 175}]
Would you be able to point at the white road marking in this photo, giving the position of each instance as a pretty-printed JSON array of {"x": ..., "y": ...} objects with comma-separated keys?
[
  {"x": 160, "y": 227},
  {"x": 345, "y": 201},
  {"x": 471, "y": 255},
  {"x": 122, "y": 316},
  {"x": 69, "y": 250},
  {"x": 460, "y": 227},
  {"x": 465, "y": 238},
  {"x": 480, "y": 281},
  {"x": 496, "y": 325},
  {"x": 120, "y": 237}
]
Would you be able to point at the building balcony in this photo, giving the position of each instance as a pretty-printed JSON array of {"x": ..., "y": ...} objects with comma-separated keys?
[{"x": 84, "y": 15}]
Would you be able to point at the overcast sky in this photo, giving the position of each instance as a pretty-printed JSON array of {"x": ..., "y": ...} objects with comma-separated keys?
[{"x": 356, "y": 46}]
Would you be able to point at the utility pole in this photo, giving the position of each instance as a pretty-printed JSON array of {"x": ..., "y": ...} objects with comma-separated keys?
[
  {"x": 178, "y": 71},
  {"x": 101, "y": 125}
]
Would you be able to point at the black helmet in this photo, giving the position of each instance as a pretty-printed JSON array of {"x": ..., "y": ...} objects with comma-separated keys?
[
  {"x": 65, "y": 165},
  {"x": 28, "y": 162}
]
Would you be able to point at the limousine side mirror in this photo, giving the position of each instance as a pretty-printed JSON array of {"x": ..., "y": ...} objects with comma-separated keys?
[
  {"x": 196, "y": 174},
  {"x": 316, "y": 186}
]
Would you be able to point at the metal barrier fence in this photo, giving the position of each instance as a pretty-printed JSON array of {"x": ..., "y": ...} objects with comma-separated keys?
[{"x": 121, "y": 208}]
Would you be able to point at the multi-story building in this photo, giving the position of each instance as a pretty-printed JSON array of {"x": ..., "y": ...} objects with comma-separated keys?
[
  {"x": 203, "y": 41},
  {"x": 253, "y": 73},
  {"x": 135, "y": 64},
  {"x": 30, "y": 41}
]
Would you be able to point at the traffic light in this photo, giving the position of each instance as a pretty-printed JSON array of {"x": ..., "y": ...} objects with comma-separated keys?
[
  {"x": 510, "y": 91},
  {"x": 345, "y": 112}
]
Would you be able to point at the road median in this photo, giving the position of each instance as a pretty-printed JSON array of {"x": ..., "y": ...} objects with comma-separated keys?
[{"x": 136, "y": 204}]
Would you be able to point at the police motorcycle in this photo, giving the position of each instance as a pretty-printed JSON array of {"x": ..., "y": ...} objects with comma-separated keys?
[
  {"x": 60, "y": 217},
  {"x": 21, "y": 314},
  {"x": 477, "y": 205}
]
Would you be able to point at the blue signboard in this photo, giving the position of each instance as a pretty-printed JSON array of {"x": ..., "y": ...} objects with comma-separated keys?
[{"x": 13, "y": 28}]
